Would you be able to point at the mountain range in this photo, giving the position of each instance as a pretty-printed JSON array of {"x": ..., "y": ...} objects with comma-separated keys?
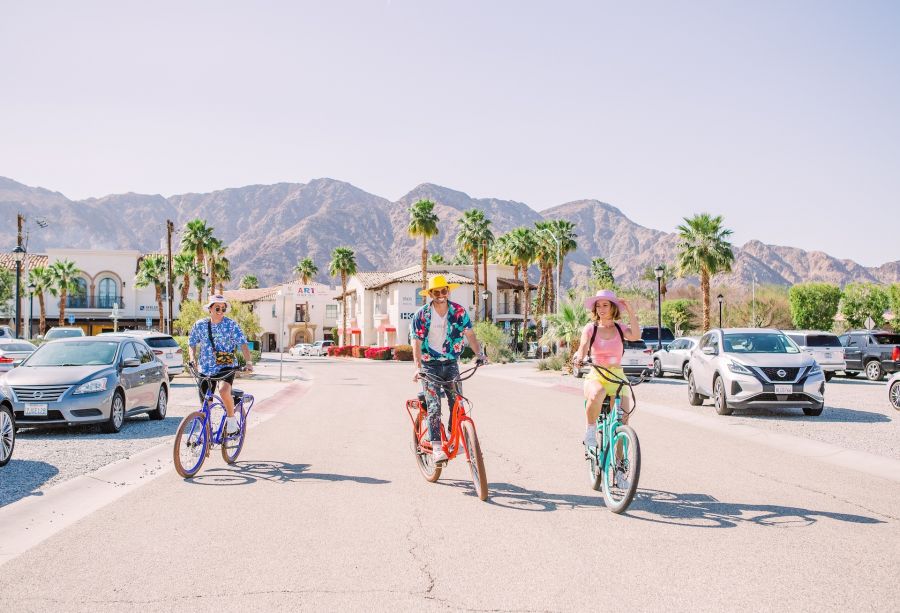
[{"x": 267, "y": 228}]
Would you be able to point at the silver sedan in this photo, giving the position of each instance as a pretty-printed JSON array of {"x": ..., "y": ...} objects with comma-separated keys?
[{"x": 87, "y": 380}]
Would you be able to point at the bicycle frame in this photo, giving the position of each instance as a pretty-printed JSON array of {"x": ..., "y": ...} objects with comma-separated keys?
[
  {"x": 608, "y": 422},
  {"x": 458, "y": 415},
  {"x": 211, "y": 401}
]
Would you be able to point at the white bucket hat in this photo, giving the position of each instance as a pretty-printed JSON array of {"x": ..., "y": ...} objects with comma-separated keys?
[{"x": 218, "y": 299}]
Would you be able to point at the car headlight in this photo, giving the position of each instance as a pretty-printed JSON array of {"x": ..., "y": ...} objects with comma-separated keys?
[
  {"x": 738, "y": 368},
  {"x": 92, "y": 386},
  {"x": 815, "y": 369}
]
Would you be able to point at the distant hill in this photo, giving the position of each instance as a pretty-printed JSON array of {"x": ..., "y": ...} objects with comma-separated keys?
[{"x": 267, "y": 228}]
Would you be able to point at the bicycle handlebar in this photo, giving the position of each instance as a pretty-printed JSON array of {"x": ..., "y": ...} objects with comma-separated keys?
[
  {"x": 198, "y": 375},
  {"x": 462, "y": 376},
  {"x": 613, "y": 378}
]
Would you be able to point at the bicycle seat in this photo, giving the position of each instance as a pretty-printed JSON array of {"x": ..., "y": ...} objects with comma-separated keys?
[{"x": 237, "y": 394}]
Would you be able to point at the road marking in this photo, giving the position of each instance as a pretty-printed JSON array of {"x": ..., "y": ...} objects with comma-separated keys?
[{"x": 33, "y": 519}]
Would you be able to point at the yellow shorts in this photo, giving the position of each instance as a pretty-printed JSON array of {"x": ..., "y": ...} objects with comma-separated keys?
[{"x": 608, "y": 386}]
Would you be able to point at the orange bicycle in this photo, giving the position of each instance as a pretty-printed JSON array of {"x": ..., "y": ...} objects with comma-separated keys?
[{"x": 462, "y": 429}]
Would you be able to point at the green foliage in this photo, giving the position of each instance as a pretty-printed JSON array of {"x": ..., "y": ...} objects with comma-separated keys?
[
  {"x": 559, "y": 362},
  {"x": 249, "y": 282},
  {"x": 565, "y": 327},
  {"x": 861, "y": 300},
  {"x": 602, "y": 274},
  {"x": 894, "y": 294},
  {"x": 437, "y": 258},
  {"x": 680, "y": 315},
  {"x": 306, "y": 269},
  {"x": 192, "y": 311},
  {"x": 493, "y": 340},
  {"x": 7, "y": 289},
  {"x": 814, "y": 305},
  {"x": 771, "y": 309},
  {"x": 703, "y": 249}
]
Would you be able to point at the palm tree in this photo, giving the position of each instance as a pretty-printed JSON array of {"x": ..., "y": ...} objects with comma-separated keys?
[
  {"x": 545, "y": 254},
  {"x": 152, "y": 271},
  {"x": 704, "y": 250},
  {"x": 215, "y": 251},
  {"x": 184, "y": 265},
  {"x": 222, "y": 269},
  {"x": 522, "y": 248},
  {"x": 196, "y": 239},
  {"x": 437, "y": 259},
  {"x": 64, "y": 275},
  {"x": 566, "y": 326},
  {"x": 563, "y": 231},
  {"x": 423, "y": 222},
  {"x": 343, "y": 264},
  {"x": 249, "y": 282},
  {"x": 307, "y": 270},
  {"x": 474, "y": 235},
  {"x": 198, "y": 278},
  {"x": 501, "y": 253},
  {"x": 649, "y": 274},
  {"x": 42, "y": 280}
]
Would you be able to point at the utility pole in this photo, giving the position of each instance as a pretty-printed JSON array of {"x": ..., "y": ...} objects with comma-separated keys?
[
  {"x": 20, "y": 221},
  {"x": 170, "y": 228},
  {"x": 484, "y": 252}
]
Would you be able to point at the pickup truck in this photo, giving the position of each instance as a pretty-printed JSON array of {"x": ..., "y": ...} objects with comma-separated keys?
[{"x": 873, "y": 352}]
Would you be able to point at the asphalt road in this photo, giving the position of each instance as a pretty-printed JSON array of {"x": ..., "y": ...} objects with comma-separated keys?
[{"x": 327, "y": 510}]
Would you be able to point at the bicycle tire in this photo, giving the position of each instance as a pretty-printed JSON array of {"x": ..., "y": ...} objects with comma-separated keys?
[
  {"x": 232, "y": 445},
  {"x": 476, "y": 460},
  {"x": 617, "y": 498},
  {"x": 424, "y": 460},
  {"x": 195, "y": 428}
]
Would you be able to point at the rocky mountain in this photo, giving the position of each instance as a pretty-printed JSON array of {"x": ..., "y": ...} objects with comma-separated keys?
[{"x": 267, "y": 228}]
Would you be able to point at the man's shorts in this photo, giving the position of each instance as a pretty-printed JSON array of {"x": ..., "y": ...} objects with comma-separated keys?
[
  {"x": 226, "y": 375},
  {"x": 608, "y": 386}
]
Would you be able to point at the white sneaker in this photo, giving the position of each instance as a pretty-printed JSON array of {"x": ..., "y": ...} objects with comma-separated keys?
[
  {"x": 620, "y": 480},
  {"x": 438, "y": 453},
  {"x": 231, "y": 425},
  {"x": 590, "y": 438}
]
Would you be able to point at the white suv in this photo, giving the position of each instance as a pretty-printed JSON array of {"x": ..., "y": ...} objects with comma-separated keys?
[
  {"x": 165, "y": 348},
  {"x": 320, "y": 347}
]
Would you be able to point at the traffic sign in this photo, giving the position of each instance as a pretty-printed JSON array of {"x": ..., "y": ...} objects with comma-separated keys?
[
  {"x": 149, "y": 321},
  {"x": 71, "y": 319},
  {"x": 869, "y": 323}
]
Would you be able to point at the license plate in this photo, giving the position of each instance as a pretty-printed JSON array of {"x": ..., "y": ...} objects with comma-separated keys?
[
  {"x": 784, "y": 390},
  {"x": 633, "y": 362},
  {"x": 35, "y": 410},
  {"x": 827, "y": 356},
  {"x": 169, "y": 356}
]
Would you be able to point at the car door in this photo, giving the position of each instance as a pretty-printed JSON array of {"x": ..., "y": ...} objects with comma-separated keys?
[
  {"x": 853, "y": 352},
  {"x": 703, "y": 364},
  {"x": 150, "y": 374},
  {"x": 130, "y": 376},
  {"x": 671, "y": 357}
]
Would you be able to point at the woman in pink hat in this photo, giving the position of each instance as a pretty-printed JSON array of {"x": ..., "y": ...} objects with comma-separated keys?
[{"x": 605, "y": 338}]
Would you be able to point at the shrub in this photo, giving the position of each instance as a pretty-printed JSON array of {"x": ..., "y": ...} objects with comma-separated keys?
[
  {"x": 814, "y": 305},
  {"x": 341, "y": 351},
  {"x": 492, "y": 339},
  {"x": 379, "y": 353},
  {"x": 358, "y": 351},
  {"x": 403, "y": 353},
  {"x": 861, "y": 300}
]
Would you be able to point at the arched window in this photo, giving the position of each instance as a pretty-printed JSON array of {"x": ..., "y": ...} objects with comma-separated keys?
[
  {"x": 77, "y": 299},
  {"x": 108, "y": 293}
]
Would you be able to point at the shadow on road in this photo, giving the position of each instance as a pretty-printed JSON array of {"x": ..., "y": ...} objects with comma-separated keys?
[
  {"x": 522, "y": 499},
  {"x": 22, "y": 477},
  {"x": 830, "y": 414},
  {"x": 704, "y": 511},
  {"x": 139, "y": 427},
  {"x": 245, "y": 473}
]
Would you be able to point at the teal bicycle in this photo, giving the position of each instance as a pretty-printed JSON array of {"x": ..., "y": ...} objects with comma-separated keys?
[{"x": 614, "y": 466}]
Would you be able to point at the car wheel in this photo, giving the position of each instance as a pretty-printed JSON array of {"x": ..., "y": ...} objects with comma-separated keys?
[
  {"x": 684, "y": 371},
  {"x": 694, "y": 399},
  {"x": 7, "y": 434},
  {"x": 829, "y": 375},
  {"x": 874, "y": 372},
  {"x": 719, "y": 397},
  {"x": 161, "y": 404},
  {"x": 813, "y": 411},
  {"x": 894, "y": 394},
  {"x": 657, "y": 369},
  {"x": 116, "y": 414}
]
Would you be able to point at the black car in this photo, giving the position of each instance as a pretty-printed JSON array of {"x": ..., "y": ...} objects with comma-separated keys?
[
  {"x": 650, "y": 335},
  {"x": 874, "y": 352}
]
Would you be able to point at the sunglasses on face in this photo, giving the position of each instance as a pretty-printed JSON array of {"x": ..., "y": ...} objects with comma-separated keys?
[
  {"x": 440, "y": 292},
  {"x": 220, "y": 309}
]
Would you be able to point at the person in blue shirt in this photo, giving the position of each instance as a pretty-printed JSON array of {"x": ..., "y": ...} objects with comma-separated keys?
[{"x": 218, "y": 337}]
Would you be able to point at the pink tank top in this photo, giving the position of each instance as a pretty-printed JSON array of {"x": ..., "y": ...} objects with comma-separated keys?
[{"x": 605, "y": 351}]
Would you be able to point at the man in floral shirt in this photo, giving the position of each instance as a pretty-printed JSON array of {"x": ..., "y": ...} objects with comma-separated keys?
[{"x": 437, "y": 339}]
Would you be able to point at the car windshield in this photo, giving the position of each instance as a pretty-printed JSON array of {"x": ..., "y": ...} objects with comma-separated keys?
[
  {"x": 74, "y": 353},
  {"x": 635, "y": 345},
  {"x": 887, "y": 339},
  {"x": 64, "y": 333},
  {"x": 649, "y": 334},
  {"x": 822, "y": 340},
  {"x": 758, "y": 342},
  {"x": 161, "y": 342},
  {"x": 17, "y": 347}
]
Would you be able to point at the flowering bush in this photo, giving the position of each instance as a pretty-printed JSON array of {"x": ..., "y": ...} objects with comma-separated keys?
[
  {"x": 379, "y": 353},
  {"x": 403, "y": 353},
  {"x": 342, "y": 351},
  {"x": 358, "y": 352}
]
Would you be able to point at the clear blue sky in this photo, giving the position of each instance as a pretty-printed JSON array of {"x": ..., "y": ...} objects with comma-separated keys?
[{"x": 782, "y": 116}]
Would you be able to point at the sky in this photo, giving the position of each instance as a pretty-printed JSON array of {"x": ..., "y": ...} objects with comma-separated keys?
[{"x": 780, "y": 116}]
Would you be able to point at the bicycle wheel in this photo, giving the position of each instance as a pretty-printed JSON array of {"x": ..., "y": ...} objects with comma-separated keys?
[
  {"x": 618, "y": 490},
  {"x": 424, "y": 459},
  {"x": 476, "y": 461},
  {"x": 232, "y": 445},
  {"x": 191, "y": 444}
]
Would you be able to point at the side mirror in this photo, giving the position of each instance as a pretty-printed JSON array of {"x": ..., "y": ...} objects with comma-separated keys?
[
  {"x": 709, "y": 350},
  {"x": 131, "y": 363}
]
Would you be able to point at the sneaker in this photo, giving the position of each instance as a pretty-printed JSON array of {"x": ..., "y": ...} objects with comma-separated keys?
[
  {"x": 438, "y": 454},
  {"x": 620, "y": 480},
  {"x": 590, "y": 438},
  {"x": 232, "y": 426}
]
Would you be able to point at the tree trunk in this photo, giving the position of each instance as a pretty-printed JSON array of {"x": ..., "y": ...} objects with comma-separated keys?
[
  {"x": 477, "y": 295},
  {"x": 704, "y": 289},
  {"x": 516, "y": 272},
  {"x": 558, "y": 289},
  {"x": 212, "y": 275},
  {"x": 424, "y": 265},
  {"x": 159, "y": 304},
  {"x": 527, "y": 296},
  {"x": 344, "y": 304},
  {"x": 62, "y": 306},
  {"x": 185, "y": 287},
  {"x": 43, "y": 325}
]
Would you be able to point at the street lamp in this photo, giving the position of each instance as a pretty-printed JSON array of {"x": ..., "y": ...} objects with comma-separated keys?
[
  {"x": 485, "y": 296},
  {"x": 558, "y": 260},
  {"x": 659, "y": 270},
  {"x": 18, "y": 256},
  {"x": 721, "y": 299},
  {"x": 31, "y": 288}
]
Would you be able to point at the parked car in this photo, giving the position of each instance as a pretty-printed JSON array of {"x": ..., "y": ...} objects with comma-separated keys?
[
  {"x": 6, "y": 332},
  {"x": 320, "y": 347},
  {"x": 12, "y": 352},
  {"x": 7, "y": 429},
  {"x": 650, "y": 334},
  {"x": 635, "y": 361},
  {"x": 674, "y": 357},
  {"x": 873, "y": 352},
  {"x": 824, "y": 347},
  {"x": 89, "y": 380},
  {"x": 62, "y": 332},
  {"x": 894, "y": 390},
  {"x": 743, "y": 368},
  {"x": 165, "y": 348},
  {"x": 300, "y": 349}
]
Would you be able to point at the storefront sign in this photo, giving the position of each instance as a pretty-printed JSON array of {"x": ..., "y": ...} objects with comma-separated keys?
[
  {"x": 305, "y": 290},
  {"x": 151, "y": 308},
  {"x": 406, "y": 315}
]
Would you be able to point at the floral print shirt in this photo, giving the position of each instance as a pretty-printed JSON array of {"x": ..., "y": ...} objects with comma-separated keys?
[
  {"x": 228, "y": 337},
  {"x": 457, "y": 322}
]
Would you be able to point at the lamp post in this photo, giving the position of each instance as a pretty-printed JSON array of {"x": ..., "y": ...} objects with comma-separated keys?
[
  {"x": 31, "y": 288},
  {"x": 659, "y": 270},
  {"x": 558, "y": 259},
  {"x": 18, "y": 256},
  {"x": 485, "y": 296},
  {"x": 721, "y": 299}
]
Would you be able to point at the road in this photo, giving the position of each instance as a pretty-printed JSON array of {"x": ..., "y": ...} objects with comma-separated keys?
[{"x": 327, "y": 510}]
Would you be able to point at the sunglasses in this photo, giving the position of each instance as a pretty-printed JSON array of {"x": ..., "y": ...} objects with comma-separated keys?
[
  {"x": 440, "y": 292},
  {"x": 220, "y": 309}
]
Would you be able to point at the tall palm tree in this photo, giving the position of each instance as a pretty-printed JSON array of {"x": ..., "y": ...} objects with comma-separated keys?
[
  {"x": 42, "y": 280},
  {"x": 222, "y": 268},
  {"x": 215, "y": 251},
  {"x": 474, "y": 235},
  {"x": 184, "y": 266},
  {"x": 564, "y": 232},
  {"x": 649, "y": 274},
  {"x": 501, "y": 253},
  {"x": 423, "y": 222},
  {"x": 704, "y": 250},
  {"x": 437, "y": 259},
  {"x": 195, "y": 239},
  {"x": 545, "y": 254},
  {"x": 64, "y": 275},
  {"x": 307, "y": 270},
  {"x": 523, "y": 247},
  {"x": 198, "y": 278},
  {"x": 152, "y": 271},
  {"x": 343, "y": 264},
  {"x": 249, "y": 282}
]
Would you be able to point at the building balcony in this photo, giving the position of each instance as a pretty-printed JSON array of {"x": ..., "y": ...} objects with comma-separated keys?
[{"x": 94, "y": 302}]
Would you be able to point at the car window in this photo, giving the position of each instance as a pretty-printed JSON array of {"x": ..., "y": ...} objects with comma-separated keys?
[
  {"x": 144, "y": 354},
  {"x": 887, "y": 339},
  {"x": 128, "y": 352},
  {"x": 820, "y": 340},
  {"x": 17, "y": 347},
  {"x": 705, "y": 340},
  {"x": 640, "y": 345},
  {"x": 161, "y": 342},
  {"x": 800, "y": 339},
  {"x": 64, "y": 333},
  {"x": 74, "y": 353},
  {"x": 714, "y": 342},
  {"x": 759, "y": 342}
]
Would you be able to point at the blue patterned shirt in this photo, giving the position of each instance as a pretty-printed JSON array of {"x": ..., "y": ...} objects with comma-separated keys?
[
  {"x": 457, "y": 322},
  {"x": 228, "y": 337}
]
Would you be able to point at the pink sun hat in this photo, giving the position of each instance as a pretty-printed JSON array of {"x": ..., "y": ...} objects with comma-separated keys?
[{"x": 603, "y": 294}]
